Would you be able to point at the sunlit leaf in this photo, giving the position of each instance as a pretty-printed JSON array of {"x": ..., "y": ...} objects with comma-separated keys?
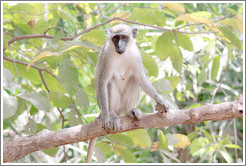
[
  {"x": 162, "y": 85},
  {"x": 163, "y": 143},
  {"x": 185, "y": 42},
  {"x": 194, "y": 18},
  {"x": 51, "y": 151},
  {"x": 239, "y": 21},
  {"x": 10, "y": 105},
  {"x": 175, "y": 6},
  {"x": 68, "y": 75},
  {"x": 40, "y": 102},
  {"x": 74, "y": 118},
  {"x": 82, "y": 99},
  {"x": 104, "y": 147},
  {"x": 150, "y": 64},
  {"x": 231, "y": 36},
  {"x": 121, "y": 138},
  {"x": 40, "y": 56},
  {"x": 148, "y": 16},
  {"x": 59, "y": 100},
  {"x": 126, "y": 155},
  {"x": 30, "y": 127},
  {"x": 215, "y": 67},
  {"x": 140, "y": 138},
  {"x": 183, "y": 141}
]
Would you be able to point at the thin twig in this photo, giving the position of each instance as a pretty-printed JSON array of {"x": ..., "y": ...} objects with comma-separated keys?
[
  {"x": 26, "y": 64},
  {"x": 22, "y": 12},
  {"x": 42, "y": 78},
  {"x": 59, "y": 28}
]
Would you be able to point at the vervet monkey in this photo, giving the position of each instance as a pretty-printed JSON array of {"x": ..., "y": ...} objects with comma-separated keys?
[{"x": 118, "y": 76}]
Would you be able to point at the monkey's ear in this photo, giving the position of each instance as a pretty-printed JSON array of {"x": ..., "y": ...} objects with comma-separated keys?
[
  {"x": 134, "y": 32},
  {"x": 107, "y": 32}
]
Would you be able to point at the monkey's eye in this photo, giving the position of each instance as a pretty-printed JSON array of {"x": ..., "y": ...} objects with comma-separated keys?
[
  {"x": 116, "y": 37},
  {"x": 123, "y": 37}
]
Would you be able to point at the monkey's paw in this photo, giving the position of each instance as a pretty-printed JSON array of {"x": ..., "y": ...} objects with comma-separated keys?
[
  {"x": 112, "y": 123},
  {"x": 163, "y": 104},
  {"x": 135, "y": 113}
]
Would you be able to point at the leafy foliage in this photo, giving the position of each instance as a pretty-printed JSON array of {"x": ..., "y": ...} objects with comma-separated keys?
[{"x": 192, "y": 53}]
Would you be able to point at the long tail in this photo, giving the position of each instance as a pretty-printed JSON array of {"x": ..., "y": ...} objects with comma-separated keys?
[{"x": 91, "y": 148}]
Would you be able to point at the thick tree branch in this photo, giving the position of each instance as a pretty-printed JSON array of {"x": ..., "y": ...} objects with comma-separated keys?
[{"x": 18, "y": 148}]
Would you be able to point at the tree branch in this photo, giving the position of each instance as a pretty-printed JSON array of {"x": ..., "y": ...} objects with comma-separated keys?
[{"x": 17, "y": 148}]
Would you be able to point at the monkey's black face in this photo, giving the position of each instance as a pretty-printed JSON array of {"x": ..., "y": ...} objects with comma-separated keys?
[{"x": 120, "y": 43}]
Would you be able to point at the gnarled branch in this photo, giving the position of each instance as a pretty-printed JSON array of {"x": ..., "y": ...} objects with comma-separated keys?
[{"x": 18, "y": 148}]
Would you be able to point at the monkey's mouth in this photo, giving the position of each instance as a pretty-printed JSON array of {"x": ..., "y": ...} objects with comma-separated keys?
[{"x": 120, "y": 52}]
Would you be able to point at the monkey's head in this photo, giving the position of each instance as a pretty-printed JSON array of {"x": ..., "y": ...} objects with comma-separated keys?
[{"x": 120, "y": 35}]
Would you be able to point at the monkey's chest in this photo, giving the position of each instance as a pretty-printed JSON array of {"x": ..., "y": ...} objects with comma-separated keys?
[{"x": 121, "y": 77}]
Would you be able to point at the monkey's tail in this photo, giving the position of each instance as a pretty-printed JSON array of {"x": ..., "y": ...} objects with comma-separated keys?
[{"x": 91, "y": 148}]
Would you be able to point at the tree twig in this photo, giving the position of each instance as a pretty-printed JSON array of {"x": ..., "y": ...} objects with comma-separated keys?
[{"x": 17, "y": 148}]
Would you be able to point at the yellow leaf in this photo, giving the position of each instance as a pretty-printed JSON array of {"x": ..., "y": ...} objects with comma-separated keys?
[
  {"x": 123, "y": 15},
  {"x": 175, "y": 6},
  {"x": 239, "y": 21},
  {"x": 183, "y": 141},
  {"x": 194, "y": 18},
  {"x": 40, "y": 56},
  {"x": 154, "y": 147}
]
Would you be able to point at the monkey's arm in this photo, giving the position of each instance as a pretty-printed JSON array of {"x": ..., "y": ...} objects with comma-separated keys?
[{"x": 145, "y": 84}]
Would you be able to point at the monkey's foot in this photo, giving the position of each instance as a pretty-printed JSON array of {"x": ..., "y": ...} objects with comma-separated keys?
[
  {"x": 164, "y": 106},
  {"x": 135, "y": 113},
  {"x": 111, "y": 124}
]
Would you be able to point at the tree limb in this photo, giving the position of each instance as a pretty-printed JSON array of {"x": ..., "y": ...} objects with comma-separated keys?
[{"x": 17, "y": 148}]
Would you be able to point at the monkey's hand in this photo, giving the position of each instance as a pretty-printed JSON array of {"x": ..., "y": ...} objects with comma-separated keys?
[
  {"x": 161, "y": 102},
  {"x": 111, "y": 123}
]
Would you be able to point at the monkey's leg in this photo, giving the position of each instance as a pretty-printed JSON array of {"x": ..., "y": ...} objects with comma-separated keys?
[{"x": 114, "y": 105}]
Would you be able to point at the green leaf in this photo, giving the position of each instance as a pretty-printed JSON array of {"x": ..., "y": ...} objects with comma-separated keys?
[
  {"x": 40, "y": 26},
  {"x": 10, "y": 105},
  {"x": 104, "y": 147},
  {"x": 233, "y": 146},
  {"x": 202, "y": 76},
  {"x": 68, "y": 75},
  {"x": 96, "y": 37},
  {"x": 31, "y": 75},
  {"x": 40, "y": 102},
  {"x": 82, "y": 99},
  {"x": 30, "y": 127},
  {"x": 69, "y": 45},
  {"x": 165, "y": 46},
  {"x": 121, "y": 138},
  {"x": 126, "y": 155},
  {"x": 163, "y": 143},
  {"x": 177, "y": 61},
  {"x": 198, "y": 146},
  {"x": 231, "y": 36},
  {"x": 148, "y": 16},
  {"x": 59, "y": 100},
  {"x": 8, "y": 78},
  {"x": 174, "y": 80},
  {"x": 53, "y": 83},
  {"x": 150, "y": 64},
  {"x": 215, "y": 67},
  {"x": 33, "y": 110},
  {"x": 140, "y": 138},
  {"x": 162, "y": 85},
  {"x": 184, "y": 42},
  {"x": 74, "y": 118},
  {"x": 40, "y": 127},
  {"x": 51, "y": 152}
]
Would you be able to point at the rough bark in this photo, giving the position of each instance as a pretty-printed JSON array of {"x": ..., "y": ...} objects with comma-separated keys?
[{"x": 18, "y": 148}]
